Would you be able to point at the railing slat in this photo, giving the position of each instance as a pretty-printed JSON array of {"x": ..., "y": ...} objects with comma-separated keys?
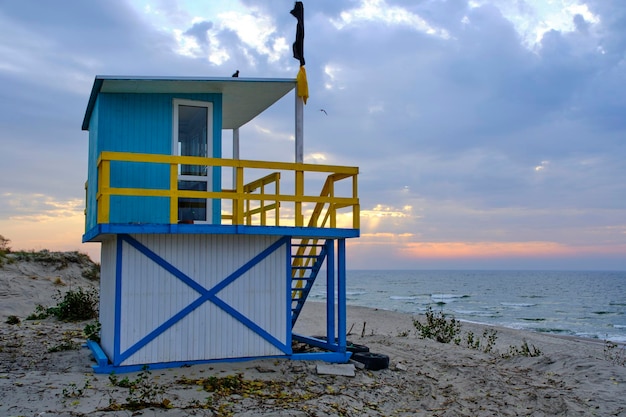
[{"x": 255, "y": 201}]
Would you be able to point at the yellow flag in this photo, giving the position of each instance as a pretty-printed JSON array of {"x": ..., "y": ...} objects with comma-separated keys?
[{"x": 303, "y": 85}]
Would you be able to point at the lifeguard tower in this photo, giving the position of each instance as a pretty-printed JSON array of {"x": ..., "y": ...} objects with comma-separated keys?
[{"x": 205, "y": 258}]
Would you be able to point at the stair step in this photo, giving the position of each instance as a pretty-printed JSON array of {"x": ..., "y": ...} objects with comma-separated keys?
[{"x": 306, "y": 260}]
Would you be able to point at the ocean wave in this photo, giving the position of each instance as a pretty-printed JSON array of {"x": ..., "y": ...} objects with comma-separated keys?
[
  {"x": 478, "y": 313},
  {"x": 553, "y": 330},
  {"x": 447, "y": 298},
  {"x": 518, "y": 305},
  {"x": 403, "y": 297},
  {"x": 621, "y": 339}
]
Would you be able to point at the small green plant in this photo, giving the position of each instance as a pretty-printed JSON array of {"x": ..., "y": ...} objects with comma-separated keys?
[
  {"x": 472, "y": 343},
  {"x": 403, "y": 333},
  {"x": 73, "y": 306},
  {"x": 4, "y": 249},
  {"x": 13, "y": 320},
  {"x": 614, "y": 353},
  {"x": 438, "y": 327},
  {"x": 4, "y": 244},
  {"x": 487, "y": 341},
  {"x": 73, "y": 391},
  {"x": 115, "y": 381},
  {"x": 523, "y": 350},
  {"x": 92, "y": 331},
  {"x": 64, "y": 346},
  {"x": 142, "y": 392},
  {"x": 77, "y": 306},
  {"x": 91, "y": 273},
  {"x": 491, "y": 335},
  {"x": 40, "y": 313}
]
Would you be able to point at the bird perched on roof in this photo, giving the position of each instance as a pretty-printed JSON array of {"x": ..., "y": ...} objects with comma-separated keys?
[{"x": 236, "y": 74}]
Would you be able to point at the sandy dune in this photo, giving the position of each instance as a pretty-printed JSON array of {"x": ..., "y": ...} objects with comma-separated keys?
[{"x": 571, "y": 376}]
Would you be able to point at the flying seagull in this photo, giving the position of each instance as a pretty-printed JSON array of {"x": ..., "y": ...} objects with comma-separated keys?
[
  {"x": 236, "y": 74},
  {"x": 324, "y": 112}
]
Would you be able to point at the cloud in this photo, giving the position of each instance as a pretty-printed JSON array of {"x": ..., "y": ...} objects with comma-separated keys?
[{"x": 493, "y": 121}]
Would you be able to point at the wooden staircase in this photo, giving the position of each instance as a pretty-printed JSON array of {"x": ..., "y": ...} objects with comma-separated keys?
[{"x": 308, "y": 255}]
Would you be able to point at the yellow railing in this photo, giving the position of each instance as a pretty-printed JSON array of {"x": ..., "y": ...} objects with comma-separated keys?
[{"x": 263, "y": 196}]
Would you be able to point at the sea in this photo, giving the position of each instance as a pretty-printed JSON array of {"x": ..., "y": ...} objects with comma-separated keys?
[{"x": 589, "y": 304}]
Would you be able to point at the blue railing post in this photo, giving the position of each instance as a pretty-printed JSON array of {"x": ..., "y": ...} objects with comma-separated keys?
[
  {"x": 330, "y": 291},
  {"x": 341, "y": 294}
]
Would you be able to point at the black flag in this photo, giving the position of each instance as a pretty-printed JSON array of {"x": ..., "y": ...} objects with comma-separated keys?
[{"x": 298, "y": 45}]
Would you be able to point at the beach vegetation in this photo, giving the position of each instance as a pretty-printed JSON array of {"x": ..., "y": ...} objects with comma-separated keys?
[
  {"x": 74, "y": 391},
  {"x": 92, "y": 271},
  {"x": 225, "y": 388},
  {"x": 403, "y": 333},
  {"x": 58, "y": 260},
  {"x": 523, "y": 350},
  {"x": 143, "y": 392},
  {"x": 472, "y": 342},
  {"x": 64, "y": 346},
  {"x": 75, "y": 305},
  {"x": 40, "y": 313},
  {"x": 445, "y": 329},
  {"x": 438, "y": 327},
  {"x": 486, "y": 343},
  {"x": 4, "y": 249},
  {"x": 68, "y": 342},
  {"x": 13, "y": 320},
  {"x": 615, "y": 353},
  {"x": 490, "y": 335},
  {"x": 92, "y": 331},
  {"x": 4, "y": 244}
]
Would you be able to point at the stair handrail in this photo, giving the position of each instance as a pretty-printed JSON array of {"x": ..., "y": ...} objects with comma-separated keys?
[{"x": 303, "y": 259}]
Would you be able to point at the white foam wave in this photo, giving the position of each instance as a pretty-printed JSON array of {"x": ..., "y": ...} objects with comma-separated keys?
[
  {"x": 520, "y": 305},
  {"x": 446, "y": 298}
]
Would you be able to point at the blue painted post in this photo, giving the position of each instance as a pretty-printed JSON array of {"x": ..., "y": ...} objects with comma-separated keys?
[
  {"x": 288, "y": 301},
  {"x": 341, "y": 294},
  {"x": 330, "y": 291}
]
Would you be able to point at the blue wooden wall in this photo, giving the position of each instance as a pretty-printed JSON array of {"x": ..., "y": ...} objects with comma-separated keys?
[{"x": 139, "y": 123}]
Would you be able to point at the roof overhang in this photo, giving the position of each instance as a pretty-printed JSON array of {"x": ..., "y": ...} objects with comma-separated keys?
[{"x": 242, "y": 98}]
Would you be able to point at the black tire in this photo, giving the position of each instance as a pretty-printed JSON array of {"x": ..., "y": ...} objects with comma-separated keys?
[
  {"x": 350, "y": 347},
  {"x": 354, "y": 348},
  {"x": 372, "y": 361}
]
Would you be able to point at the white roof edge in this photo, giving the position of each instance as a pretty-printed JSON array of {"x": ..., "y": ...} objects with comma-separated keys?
[{"x": 236, "y": 84}]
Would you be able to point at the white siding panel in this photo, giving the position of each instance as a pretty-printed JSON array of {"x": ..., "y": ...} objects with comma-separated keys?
[
  {"x": 151, "y": 295},
  {"x": 107, "y": 294}
]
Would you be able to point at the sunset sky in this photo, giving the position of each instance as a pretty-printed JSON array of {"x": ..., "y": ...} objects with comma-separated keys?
[{"x": 490, "y": 134}]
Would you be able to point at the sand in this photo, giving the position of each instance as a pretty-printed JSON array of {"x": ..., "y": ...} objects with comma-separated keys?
[{"x": 570, "y": 377}]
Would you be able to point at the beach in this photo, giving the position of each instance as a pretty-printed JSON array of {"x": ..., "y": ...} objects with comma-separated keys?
[{"x": 563, "y": 376}]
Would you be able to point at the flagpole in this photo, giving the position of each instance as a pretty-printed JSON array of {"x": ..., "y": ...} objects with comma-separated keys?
[
  {"x": 299, "y": 129},
  {"x": 302, "y": 86}
]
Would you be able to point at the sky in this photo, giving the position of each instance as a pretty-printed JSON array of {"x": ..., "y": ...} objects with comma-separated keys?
[{"x": 490, "y": 134}]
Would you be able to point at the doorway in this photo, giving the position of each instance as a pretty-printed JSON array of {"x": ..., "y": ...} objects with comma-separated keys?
[{"x": 192, "y": 136}]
